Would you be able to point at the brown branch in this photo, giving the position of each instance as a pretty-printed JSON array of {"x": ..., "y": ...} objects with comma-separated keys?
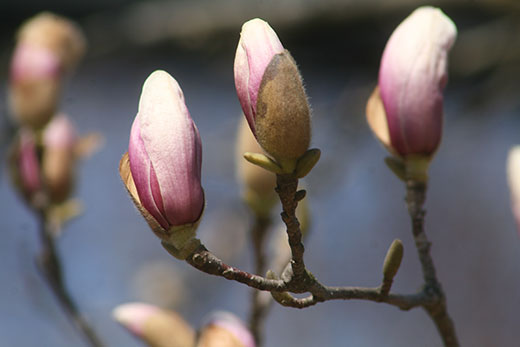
[
  {"x": 287, "y": 300},
  {"x": 437, "y": 310},
  {"x": 286, "y": 189},
  {"x": 207, "y": 262},
  {"x": 297, "y": 279},
  {"x": 51, "y": 268}
]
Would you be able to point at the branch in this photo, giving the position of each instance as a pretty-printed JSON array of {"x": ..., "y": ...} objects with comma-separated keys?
[
  {"x": 207, "y": 262},
  {"x": 437, "y": 310},
  {"x": 289, "y": 197},
  {"x": 51, "y": 268}
]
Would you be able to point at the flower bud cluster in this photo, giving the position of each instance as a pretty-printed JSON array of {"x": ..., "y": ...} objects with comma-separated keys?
[
  {"x": 165, "y": 328},
  {"x": 43, "y": 166},
  {"x": 44, "y": 153},
  {"x": 162, "y": 170}
]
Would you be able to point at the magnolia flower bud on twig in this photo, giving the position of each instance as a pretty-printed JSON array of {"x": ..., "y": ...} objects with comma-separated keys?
[
  {"x": 59, "y": 158},
  {"x": 224, "y": 329},
  {"x": 48, "y": 46},
  {"x": 157, "y": 327},
  {"x": 393, "y": 258},
  {"x": 405, "y": 110},
  {"x": 271, "y": 93},
  {"x": 162, "y": 170}
]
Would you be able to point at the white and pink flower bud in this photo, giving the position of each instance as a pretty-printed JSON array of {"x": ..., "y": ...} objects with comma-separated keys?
[
  {"x": 165, "y": 156},
  {"x": 48, "y": 46},
  {"x": 225, "y": 329},
  {"x": 156, "y": 326},
  {"x": 257, "y": 46},
  {"x": 513, "y": 176},
  {"x": 59, "y": 158},
  {"x": 406, "y": 110},
  {"x": 271, "y": 93}
]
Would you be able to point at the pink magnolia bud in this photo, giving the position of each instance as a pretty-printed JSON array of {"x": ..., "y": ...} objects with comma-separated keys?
[
  {"x": 59, "y": 159},
  {"x": 406, "y": 111},
  {"x": 47, "y": 47},
  {"x": 513, "y": 176},
  {"x": 257, "y": 46},
  {"x": 165, "y": 154},
  {"x": 28, "y": 167},
  {"x": 156, "y": 326},
  {"x": 224, "y": 329},
  {"x": 270, "y": 90}
]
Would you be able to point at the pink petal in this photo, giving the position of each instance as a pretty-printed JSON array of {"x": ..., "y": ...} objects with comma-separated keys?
[
  {"x": 60, "y": 133},
  {"x": 142, "y": 173},
  {"x": 412, "y": 77},
  {"x": 173, "y": 144},
  {"x": 28, "y": 163},
  {"x": 31, "y": 61},
  {"x": 257, "y": 46},
  {"x": 134, "y": 315}
]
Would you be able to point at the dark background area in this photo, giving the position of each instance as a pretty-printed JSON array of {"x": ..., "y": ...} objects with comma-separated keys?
[{"x": 357, "y": 205}]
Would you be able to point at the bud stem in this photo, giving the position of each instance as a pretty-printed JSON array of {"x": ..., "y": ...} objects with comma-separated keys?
[{"x": 437, "y": 309}]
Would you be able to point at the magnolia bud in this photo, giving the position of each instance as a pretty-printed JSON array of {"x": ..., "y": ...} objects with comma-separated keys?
[
  {"x": 163, "y": 168},
  {"x": 393, "y": 259},
  {"x": 225, "y": 330},
  {"x": 157, "y": 327},
  {"x": 513, "y": 175},
  {"x": 270, "y": 90},
  {"x": 405, "y": 111},
  {"x": 48, "y": 46},
  {"x": 58, "y": 162},
  {"x": 257, "y": 46}
]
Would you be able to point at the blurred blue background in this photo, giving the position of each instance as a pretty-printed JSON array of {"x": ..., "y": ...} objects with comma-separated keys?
[{"x": 111, "y": 257}]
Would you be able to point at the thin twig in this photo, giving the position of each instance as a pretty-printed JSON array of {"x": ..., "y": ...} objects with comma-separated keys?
[
  {"x": 437, "y": 310},
  {"x": 295, "y": 278},
  {"x": 287, "y": 186},
  {"x": 207, "y": 262},
  {"x": 259, "y": 305},
  {"x": 52, "y": 271}
]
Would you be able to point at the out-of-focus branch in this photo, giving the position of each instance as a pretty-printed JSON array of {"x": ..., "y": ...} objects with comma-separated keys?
[
  {"x": 259, "y": 304},
  {"x": 51, "y": 268}
]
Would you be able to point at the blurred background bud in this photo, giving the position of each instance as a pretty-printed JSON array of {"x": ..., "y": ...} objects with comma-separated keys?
[
  {"x": 257, "y": 46},
  {"x": 156, "y": 326},
  {"x": 48, "y": 46},
  {"x": 513, "y": 176},
  {"x": 59, "y": 158},
  {"x": 161, "y": 283},
  {"x": 257, "y": 183},
  {"x": 405, "y": 112},
  {"x": 224, "y": 329},
  {"x": 165, "y": 154}
]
